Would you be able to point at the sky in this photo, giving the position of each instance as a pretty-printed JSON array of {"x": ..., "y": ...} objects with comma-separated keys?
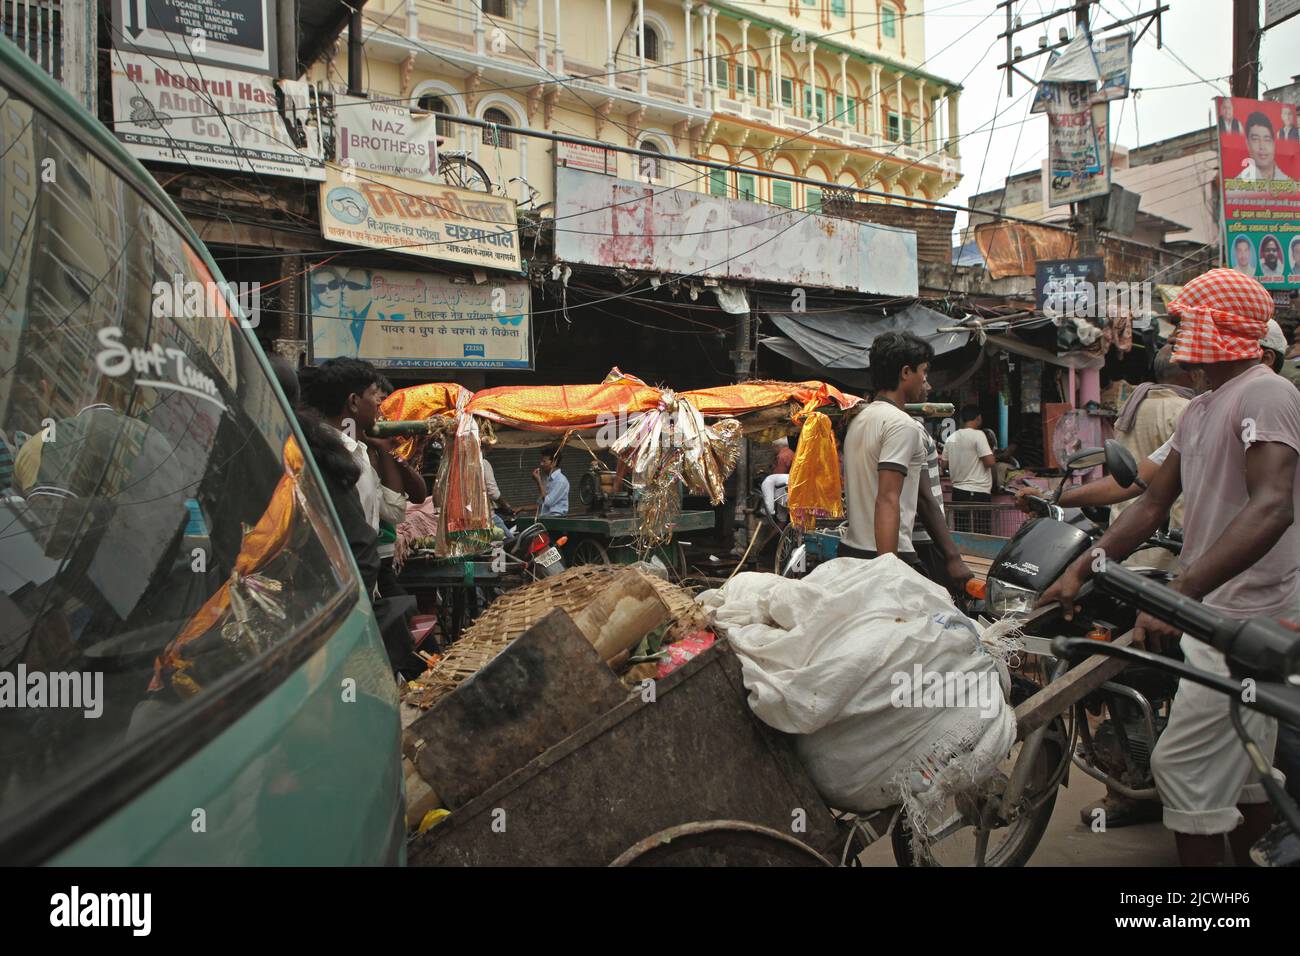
[{"x": 1197, "y": 31}]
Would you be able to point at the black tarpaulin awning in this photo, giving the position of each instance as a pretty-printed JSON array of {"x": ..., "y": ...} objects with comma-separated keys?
[{"x": 840, "y": 339}]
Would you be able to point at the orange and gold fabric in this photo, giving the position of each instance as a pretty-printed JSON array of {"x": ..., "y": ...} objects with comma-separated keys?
[
  {"x": 262, "y": 542},
  {"x": 751, "y": 396},
  {"x": 560, "y": 408},
  {"x": 815, "y": 489}
]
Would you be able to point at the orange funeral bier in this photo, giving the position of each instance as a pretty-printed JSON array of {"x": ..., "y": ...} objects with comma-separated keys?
[{"x": 751, "y": 396}]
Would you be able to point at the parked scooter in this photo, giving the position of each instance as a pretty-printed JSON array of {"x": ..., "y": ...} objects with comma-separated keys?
[
  {"x": 532, "y": 546},
  {"x": 1118, "y": 750}
]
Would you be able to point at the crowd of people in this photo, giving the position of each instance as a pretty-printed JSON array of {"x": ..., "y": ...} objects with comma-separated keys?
[{"x": 1217, "y": 435}]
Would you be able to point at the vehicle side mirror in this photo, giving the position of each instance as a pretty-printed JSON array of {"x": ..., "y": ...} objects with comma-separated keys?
[
  {"x": 1085, "y": 459},
  {"x": 1121, "y": 464}
]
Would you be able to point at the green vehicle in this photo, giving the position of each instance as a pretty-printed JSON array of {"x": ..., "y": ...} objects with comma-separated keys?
[{"x": 190, "y": 670}]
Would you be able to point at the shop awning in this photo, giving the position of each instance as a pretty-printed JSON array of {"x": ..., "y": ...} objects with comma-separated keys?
[{"x": 839, "y": 340}]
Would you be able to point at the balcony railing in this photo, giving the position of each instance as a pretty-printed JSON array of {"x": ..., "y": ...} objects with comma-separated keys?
[{"x": 36, "y": 27}]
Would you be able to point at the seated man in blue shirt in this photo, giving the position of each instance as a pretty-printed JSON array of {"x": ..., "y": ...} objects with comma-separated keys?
[{"x": 552, "y": 486}]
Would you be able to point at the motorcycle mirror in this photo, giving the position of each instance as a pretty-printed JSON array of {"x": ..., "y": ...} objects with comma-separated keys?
[
  {"x": 1086, "y": 458},
  {"x": 1121, "y": 464}
]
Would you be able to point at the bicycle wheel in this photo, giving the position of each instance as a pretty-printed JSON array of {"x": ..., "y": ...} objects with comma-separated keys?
[
  {"x": 463, "y": 173},
  {"x": 791, "y": 554},
  {"x": 955, "y": 841}
]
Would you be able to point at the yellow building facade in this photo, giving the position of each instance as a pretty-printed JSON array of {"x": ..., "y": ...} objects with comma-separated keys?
[{"x": 838, "y": 91}]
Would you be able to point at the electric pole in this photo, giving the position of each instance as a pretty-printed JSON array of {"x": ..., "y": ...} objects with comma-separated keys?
[
  {"x": 1085, "y": 212},
  {"x": 1245, "y": 49}
]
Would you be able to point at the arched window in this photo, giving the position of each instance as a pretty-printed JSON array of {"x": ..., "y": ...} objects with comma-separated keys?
[
  {"x": 889, "y": 22},
  {"x": 499, "y": 138},
  {"x": 651, "y": 43},
  {"x": 436, "y": 104},
  {"x": 650, "y": 167}
]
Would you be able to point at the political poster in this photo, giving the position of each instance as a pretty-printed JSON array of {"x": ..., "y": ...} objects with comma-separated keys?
[{"x": 1259, "y": 157}]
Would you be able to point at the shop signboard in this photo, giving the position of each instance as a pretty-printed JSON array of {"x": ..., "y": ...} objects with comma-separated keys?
[
  {"x": 619, "y": 223},
  {"x": 226, "y": 33},
  {"x": 177, "y": 112},
  {"x": 397, "y": 319},
  {"x": 419, "y": 219}
]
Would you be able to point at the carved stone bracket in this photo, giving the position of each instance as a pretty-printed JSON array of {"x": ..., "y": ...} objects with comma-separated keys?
[{"x": 408, "y": 67}]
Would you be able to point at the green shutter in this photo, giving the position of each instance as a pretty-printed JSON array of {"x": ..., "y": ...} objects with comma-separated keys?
[
  {"x": 907, "y": 131},
  {"x": 887, "y": 21},
  {"x": 787, "y": 93},
  {"x": 837, "y": 7},
  {"x": 891, "y": 127},
  {"x": 781, "y": 193},
  {"x": 724, "y": 75},
  {"x": 814, "y": 203},
  {"x": 717, "y": 182},
  {"x": 746, "y": 187}
]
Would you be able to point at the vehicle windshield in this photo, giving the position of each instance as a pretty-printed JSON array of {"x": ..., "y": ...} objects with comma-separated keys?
[{"x": 159, "y": 536}]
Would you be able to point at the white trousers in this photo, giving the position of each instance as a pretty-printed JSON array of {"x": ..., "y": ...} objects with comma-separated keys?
[
  {"x": 770, "y": 484},
  {"x": 1201, "y": 770}
]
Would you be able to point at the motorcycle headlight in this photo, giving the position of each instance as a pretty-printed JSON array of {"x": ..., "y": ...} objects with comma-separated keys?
[{"x": 1004, "y": 599}]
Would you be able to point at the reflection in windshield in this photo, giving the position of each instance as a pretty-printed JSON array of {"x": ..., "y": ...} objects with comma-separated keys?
[{"x": 156, "y": 529}]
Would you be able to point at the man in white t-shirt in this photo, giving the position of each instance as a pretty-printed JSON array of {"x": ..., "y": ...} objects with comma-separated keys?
[
  {"x": 885, "y": 460},
  {"x": 970, "y": 464}
]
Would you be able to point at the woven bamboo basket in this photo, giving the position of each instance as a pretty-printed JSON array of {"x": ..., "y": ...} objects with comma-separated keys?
[{"x": 516, "y": 611}]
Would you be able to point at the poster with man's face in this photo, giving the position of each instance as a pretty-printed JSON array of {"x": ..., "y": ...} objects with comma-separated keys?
[{"x": 1259, "y": 155}]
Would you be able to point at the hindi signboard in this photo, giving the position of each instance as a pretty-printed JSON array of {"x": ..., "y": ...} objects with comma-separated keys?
[
  {"x": 227, "y": 33},
  {"x": 417, "y": 320},
  {"x": 227, "y": 119},
  {"x": 1259, "y": 157},
  {"x": 385, "y": 138},
  {"x": 419, "y": 219},
  {"x": 1078, "y": 165},
  {"x": 1068, "y": 287},
  {"x": 612, "y": 222}
]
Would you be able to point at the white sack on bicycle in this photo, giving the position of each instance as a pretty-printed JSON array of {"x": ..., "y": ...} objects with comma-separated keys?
[{"x": 894, "y": 694}]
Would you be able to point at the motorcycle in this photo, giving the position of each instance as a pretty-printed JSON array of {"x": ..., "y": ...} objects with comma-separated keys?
[
  {"x": 1261, "y": 649},
  {"x": 1117, "y": 751}
]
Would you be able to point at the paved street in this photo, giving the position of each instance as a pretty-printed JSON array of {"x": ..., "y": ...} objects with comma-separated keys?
[{"x": 1069, "y": 843}]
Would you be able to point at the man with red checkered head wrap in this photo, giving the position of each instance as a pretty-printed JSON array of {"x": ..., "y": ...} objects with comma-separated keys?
[{"x": 1233, "y": 459}]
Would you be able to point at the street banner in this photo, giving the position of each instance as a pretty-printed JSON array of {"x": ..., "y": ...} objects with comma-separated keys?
[
  {"x": 1074, "y": 63},
  {"x": 1113, "y": 56},
  {"x": 385, "y": 138},
  {"x": 1115, "y": 61},
  {"x": 226, "y": 33},
  {"x": 419, "y": 219},
  {"x": 418, "y": 320},
  {"x": 1078, "y": 164},
  {"x": 1275, "y": 11},
  {"x": 1259, "y": 159},
  {"x": 177, "y": 112}
]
